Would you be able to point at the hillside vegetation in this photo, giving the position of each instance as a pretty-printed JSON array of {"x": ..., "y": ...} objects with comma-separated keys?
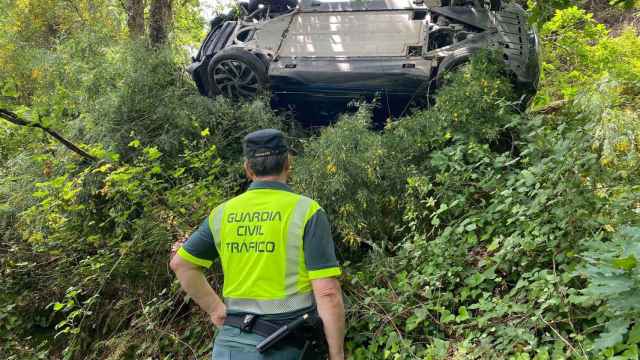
[{"x": 467, "y": 230}]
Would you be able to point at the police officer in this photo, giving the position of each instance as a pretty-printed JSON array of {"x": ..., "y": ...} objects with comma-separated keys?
[{"x": 277, "y": 256}]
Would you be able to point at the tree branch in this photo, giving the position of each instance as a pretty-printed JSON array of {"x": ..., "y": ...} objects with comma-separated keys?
[
  {"x": 15, "y": 119},
  {"x": 550, "y": 108}
]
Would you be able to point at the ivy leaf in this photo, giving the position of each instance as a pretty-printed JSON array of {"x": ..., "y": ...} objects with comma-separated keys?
[
  {"x": 416, "y": 319},
  {"x": 613, "y": 335},
  {"x": 463, "y": 314},
  {"x": 474, "y": 280}
]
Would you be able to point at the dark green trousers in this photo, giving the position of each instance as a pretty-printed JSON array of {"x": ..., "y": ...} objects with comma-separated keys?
[{"x": 232, "y": 344}]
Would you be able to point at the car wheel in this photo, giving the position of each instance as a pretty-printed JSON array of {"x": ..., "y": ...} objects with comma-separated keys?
[
  {"x": 237, "y": 73},
  {"x": 452, "y": 63}
]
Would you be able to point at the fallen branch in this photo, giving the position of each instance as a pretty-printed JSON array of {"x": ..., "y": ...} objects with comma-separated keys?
[
  {"x": 15, "y": 119},
  {"x": 573, "y": 349},
  {"x": 551, "y": 108}
]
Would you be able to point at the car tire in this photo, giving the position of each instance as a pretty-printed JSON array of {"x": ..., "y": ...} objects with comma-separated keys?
[
  {"x": 451, "y": 63},
  {"x": 237, "y": 73}
]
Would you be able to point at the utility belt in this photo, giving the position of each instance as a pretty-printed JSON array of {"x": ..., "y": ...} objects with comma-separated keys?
[{"x": 304, "y": 332}]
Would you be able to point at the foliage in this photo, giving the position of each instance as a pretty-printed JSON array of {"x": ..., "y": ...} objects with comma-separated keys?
[
  {"x": 467, "y": 230},
  {"x": 543, "y": 10},
  {"x": 105, "y": 228},
  {"x": 364, "y": 173},
  {"x": 578, "y": 54},
  {"x": 611, "y": 269},
  {"x": 166, "y": 105},
  {"x": 81, "y": 262}
]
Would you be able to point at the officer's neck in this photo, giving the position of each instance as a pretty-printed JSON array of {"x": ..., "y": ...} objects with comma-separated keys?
[{"x": 277, "y": 178}]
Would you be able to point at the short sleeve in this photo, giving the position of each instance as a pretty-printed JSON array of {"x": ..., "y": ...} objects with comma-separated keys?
[
  {"x": 200, "y": 249},
  {"x": 319, "y": 249}
]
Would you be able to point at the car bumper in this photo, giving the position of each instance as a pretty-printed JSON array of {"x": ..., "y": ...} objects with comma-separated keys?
[{"x": 198, "y": 71}]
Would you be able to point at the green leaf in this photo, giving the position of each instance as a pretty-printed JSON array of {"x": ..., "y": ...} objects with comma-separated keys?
[
  {"x": 152, "y": 152},
  {"x": 613, "y": 335},
  {"x": 634, "y": 334},
  {"x": 10, "y": 89},
  {"x": 463, "y": 314},
  {"x": 416, "y": 319},
  {"x": 494, "y": 244},
  {"x": 474, "y": 280},
  {"x": 446, "y": 316},
  {"x": 179, "y": 171},
  {"x": 58, "y": 306},
  {"x": 627, "y": 263}
]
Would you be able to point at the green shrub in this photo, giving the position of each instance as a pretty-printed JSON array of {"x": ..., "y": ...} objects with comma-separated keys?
[
  {"x": 359, "y": 176},
  {"x": 155, "y": 101},
  {"x": 107, "y": 228},
  {"x": 578, "y": 53}
]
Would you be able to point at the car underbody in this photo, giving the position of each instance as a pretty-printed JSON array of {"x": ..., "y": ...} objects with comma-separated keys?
[{"x": 318, "y": 56}]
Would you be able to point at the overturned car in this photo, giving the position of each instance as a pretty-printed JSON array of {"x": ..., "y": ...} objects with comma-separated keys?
[{"x": 318, "y": 55}]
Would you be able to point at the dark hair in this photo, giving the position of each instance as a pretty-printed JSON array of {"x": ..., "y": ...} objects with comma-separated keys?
[{"x": 268, "y": 165}]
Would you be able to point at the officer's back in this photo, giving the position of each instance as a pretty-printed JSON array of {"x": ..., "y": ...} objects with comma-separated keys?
[{"x": 277, "y": 257}]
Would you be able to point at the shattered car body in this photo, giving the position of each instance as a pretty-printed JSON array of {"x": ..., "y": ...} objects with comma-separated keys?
[{"x": 321, "y": 54}]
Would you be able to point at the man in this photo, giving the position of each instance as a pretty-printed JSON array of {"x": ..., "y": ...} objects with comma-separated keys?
[{"x": 278, "y": 260}]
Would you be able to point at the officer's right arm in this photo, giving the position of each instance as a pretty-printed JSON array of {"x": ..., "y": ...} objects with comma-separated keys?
[
  {"x": 197, "y": 252},
  {"x": 196, "y": 285}
]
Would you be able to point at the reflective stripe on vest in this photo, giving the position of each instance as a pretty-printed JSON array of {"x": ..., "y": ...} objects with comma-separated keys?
[
  {"x": 259, "y": 237},
  {"x": 288, "y": 304},
  {"x": 215, "y": 224},
  {"x": 295, "y": 232}
]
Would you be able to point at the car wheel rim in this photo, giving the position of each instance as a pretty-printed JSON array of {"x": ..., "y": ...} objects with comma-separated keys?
[{"x": 235, "y": 79}]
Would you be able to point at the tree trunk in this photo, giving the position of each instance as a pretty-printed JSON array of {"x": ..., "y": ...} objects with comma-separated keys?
[
  {"x": 160, "y": 21},
  {"x": 135, "y": 18}
]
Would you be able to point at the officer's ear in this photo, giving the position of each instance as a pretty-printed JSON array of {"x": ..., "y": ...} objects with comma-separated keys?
[
  {"x": 248, "y": 172},
  {"x": 287, "y": 165}
]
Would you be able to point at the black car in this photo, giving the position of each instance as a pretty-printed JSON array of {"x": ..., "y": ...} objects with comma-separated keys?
[{"x": 318, "y": 55}]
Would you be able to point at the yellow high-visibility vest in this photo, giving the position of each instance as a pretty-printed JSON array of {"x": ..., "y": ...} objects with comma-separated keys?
[{"x": 259, "y": 238}]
